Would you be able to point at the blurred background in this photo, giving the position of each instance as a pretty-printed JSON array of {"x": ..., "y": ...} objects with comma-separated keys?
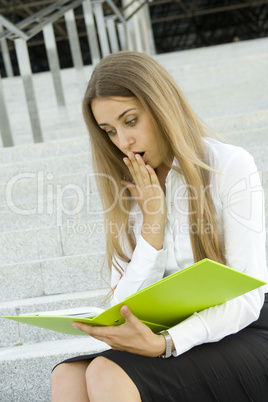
[{"x": 176, "y": 25}]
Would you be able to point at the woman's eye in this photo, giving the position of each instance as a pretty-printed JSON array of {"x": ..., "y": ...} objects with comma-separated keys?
[
  {"x": 111, "y": 132},
  {"x": 131, "y": 122}
]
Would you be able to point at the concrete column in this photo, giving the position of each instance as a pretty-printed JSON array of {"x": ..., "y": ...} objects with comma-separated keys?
[
  {"x": 110, "y": 23},
  {"x": 137, "y": 32},
  {"x": 53, "y": 61},
  {"x": 122, "y": 35},
  {"x": 26, "y": 75},
  {"x": 91, "y": 31},
  {"x": 129, "y": 26},
  {"x": 104, "y": 44},
  {"x": 4, "y": 121},
  {"x": 6, "y": 56},
  {"x": 144, "y": 32},
  {"x": 149, "y": 29},
  {"x": 139, "y": 29},
  {"x": 73, "y": 39},
  {"x": 130, "y": 35}
]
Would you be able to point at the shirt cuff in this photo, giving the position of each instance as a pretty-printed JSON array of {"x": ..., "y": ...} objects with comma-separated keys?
[
  {"x": 146, "y": 261},
  {"x": 189, "y": 333},
  {"x": 146, "y": 267},
  {"x": 148, "y": 251}
]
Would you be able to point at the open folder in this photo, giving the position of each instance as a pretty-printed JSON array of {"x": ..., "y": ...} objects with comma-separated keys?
[{"x": 164, "y": 303}]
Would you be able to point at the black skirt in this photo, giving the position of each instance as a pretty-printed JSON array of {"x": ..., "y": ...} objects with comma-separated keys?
[{"x": 234, "y": 369}]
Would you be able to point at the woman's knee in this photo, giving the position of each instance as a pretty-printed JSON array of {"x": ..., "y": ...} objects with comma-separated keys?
[
  {"x": 106, "y": 379},
  {"x": 103, "y": 373},
  {"x": 68, "y": 382},
  {"x": 98, "y": 370},
  {"x": 68, "y": 372},
  {"x": 59, "y": 373}
]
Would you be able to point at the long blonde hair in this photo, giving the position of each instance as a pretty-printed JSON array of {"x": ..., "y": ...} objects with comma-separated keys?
[{"x": 131, "y": 74}]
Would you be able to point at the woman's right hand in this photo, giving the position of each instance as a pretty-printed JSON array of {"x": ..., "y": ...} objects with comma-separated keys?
[{"x": 149, "y": 195}]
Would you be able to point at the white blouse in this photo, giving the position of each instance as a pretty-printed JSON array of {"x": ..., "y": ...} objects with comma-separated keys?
[{"x": 239, "y": 202}]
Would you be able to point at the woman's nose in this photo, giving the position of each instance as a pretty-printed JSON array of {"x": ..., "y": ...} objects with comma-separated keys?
[{"x": 125, "y": 140}]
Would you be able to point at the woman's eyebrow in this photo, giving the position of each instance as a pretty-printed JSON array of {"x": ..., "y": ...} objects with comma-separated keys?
[
  {"x": 119, "y": 117},
  {"x": 123, "y": 114}
]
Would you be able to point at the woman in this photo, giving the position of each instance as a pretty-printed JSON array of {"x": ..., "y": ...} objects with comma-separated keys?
[{"x": 171, "y": 196}]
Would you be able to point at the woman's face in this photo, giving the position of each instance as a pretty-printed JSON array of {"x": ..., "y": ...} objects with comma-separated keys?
[{"x": 129, "y": 126}]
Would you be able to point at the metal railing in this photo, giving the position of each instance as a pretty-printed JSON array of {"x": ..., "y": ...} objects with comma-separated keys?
[{"x": 125, "y": 29}]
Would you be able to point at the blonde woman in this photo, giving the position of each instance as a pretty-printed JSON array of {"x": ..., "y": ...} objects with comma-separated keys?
[{"x": 171, "y": 196}]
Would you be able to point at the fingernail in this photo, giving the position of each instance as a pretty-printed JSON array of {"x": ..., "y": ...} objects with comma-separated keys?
[
  {"x": 125, "y": 309},
  {"x": 75, "y": 325}
]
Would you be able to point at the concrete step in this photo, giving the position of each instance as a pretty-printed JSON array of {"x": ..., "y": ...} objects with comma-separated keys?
[
  {"x": 58, "y": 132},
  {"x": 50, "y": 149},
  {"x": 216, "y": 53},
  {"x": 42, "y": 188},
  {"x": 237, "y": 98},
  {"x": 249, "y": 139},
  {"x": 223, "y": 87},
  {"x": 236, "y": 124},
  {"x": 264, "y": 177},
  {"x": 55, "y": 166},
  {"x": 53, "y": 276},
  {"x": 25, "y": 370},
  {"x": 46, "y": 213},
  {"x": 14, "y": 333},
  {"x": 46, "y": 243},
  {"x": 207, "y": 75},
  {"x": 55, "y": 124}
]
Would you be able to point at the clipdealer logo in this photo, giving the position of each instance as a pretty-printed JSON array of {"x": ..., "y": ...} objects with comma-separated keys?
[
  {"x": 249, "y": 213},
  {"x": 69, "y": 200}
]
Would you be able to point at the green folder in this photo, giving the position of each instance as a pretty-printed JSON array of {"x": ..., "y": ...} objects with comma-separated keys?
[{"x": 166, "y": 302}]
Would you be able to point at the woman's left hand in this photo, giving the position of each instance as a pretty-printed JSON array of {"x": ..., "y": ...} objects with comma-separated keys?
[{"x": 133, "y": 336}]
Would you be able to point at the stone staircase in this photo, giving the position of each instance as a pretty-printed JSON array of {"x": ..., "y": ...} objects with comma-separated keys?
[{"x": 51, "y": 231}]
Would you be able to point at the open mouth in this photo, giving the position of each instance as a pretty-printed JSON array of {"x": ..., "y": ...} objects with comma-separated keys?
[{"x": 140, "y": 153}]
